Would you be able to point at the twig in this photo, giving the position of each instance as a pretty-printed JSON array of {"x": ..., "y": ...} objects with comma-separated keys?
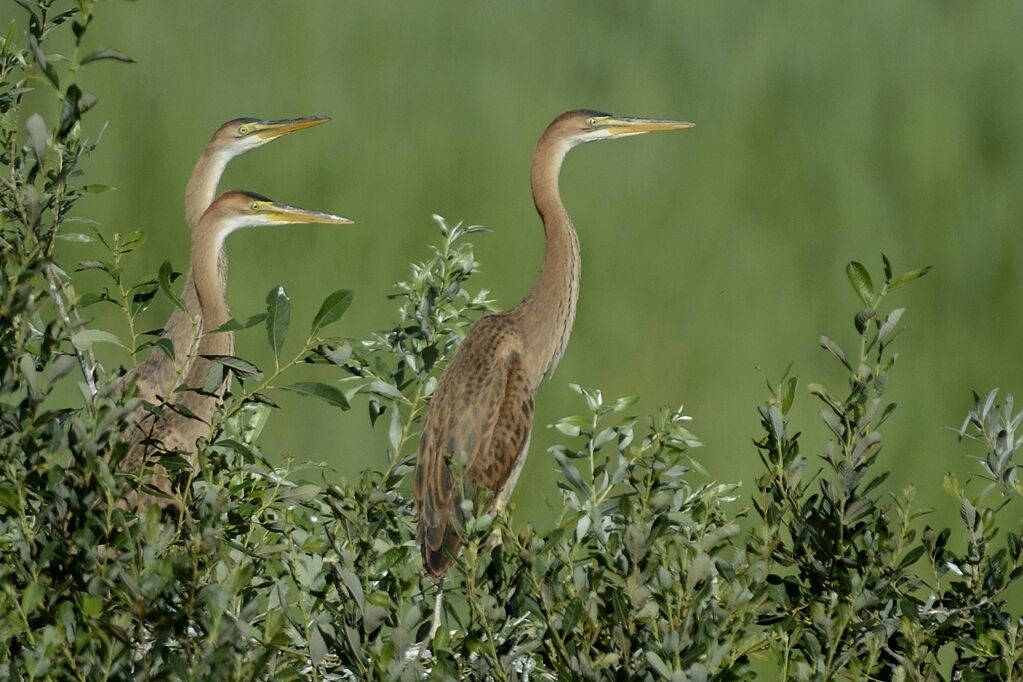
[{"x": 86, "y": 359}]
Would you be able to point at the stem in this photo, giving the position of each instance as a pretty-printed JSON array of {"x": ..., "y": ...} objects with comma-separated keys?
[{"x": 86, "y": 359}]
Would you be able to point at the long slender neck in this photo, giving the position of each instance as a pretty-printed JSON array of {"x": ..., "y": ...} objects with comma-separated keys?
[
  {"x": 202, "y": 184},
  {"x": 199, "y": 194},
  {"x": 546, "y": 314},
  {"x": 209, "y": 276}
]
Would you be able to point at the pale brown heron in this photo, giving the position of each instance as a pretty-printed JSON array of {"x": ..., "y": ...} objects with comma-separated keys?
[{"x": 477, "y": 429}]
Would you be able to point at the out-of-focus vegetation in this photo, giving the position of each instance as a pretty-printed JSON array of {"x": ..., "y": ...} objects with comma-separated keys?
[{"x": 813, "y": 571}]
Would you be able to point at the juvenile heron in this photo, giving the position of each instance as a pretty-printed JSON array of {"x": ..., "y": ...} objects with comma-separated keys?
[
  {"x": 477, "y": 429},
  {"x": 231, "y": 211},
  {"x": 158, "y": 374}
]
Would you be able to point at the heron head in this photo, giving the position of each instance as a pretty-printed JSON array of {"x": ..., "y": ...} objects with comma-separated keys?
[
  {"x": 585, "y": 125},
  {"x": 237, "y": 209},
  {"x": 239, "y": 135}
]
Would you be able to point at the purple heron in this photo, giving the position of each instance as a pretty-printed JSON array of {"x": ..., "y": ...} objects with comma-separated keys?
[
  {"x": 158, "y": 374},
  {"x": 231, "y": 211},
  {"x": 476, "y": 435}
]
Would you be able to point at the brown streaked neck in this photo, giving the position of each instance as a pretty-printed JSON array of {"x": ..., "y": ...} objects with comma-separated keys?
[
  {"x": 202, "y": 184},
  {"x": 209, "y": 273},
  {"x": 548, "y": 310}
]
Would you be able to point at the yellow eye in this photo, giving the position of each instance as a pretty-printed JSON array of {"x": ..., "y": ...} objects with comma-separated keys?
[
  {"x": 591, "y": 122},
  {"x": 255, "y": 206},
  {"x": 243, "y": 130}
]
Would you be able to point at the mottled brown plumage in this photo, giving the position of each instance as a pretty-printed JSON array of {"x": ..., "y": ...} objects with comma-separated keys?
[
  {"x": 476, "y": 435},
  {"x": 154, "y": 378}
]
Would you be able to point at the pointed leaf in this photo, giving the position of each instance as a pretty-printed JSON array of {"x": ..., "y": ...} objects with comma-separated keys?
[
  {"x": 658, "y": 665},
  {"x": 214, "y": 378},
  {"x": 325, "y": 392},
  {"x": 333, "y": 307},
  {"x": 788, "y": 394},
  {"x": 278, "y": 316},
  {"x": 234, "y": 325},
  {"x": 165, "y": 345},
  {"x": 861, "y": 283},
  {"x": 243, "y": 369},
  {"x": 107, "y": 53},
  {"x": 832, "y": 347},
  {"x": 76, "y": 237},
  {"x": 907, "y": 277},
  {"x": 86, "y": 337},
  {"x": 863, "y": 318},
  {"x": 885, "y": 333},
  {"x": 36, "y": 129},
  {"x": 165, "y": 277},
  {"x": 129, "y": 242},
  {"x": 317, "y": 647},
  {"x": 302, "y": 493},
  {"x": 354, "y": 587}
]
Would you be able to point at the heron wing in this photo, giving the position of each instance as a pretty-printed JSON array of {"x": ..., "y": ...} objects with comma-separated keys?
[{"x": 476, "y": 431}]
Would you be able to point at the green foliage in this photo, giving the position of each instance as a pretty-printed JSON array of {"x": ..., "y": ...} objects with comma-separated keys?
[{"x": 260, "y": 571}]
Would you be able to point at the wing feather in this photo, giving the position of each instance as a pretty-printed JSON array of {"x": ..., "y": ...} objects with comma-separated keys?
[{"x": 474, "y": 438}]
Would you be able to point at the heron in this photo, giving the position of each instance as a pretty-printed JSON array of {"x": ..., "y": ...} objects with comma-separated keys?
[
  {"x": 476, "y": 434},
  {"x": 231, "y": 211},
  {"x": 159, "y": 373}
]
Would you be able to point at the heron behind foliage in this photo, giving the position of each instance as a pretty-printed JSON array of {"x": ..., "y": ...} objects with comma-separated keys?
[
  {"x": 231, "y": 211},
  {"x": 158, "y": 374},
  {"x": 477, "y": 429}
]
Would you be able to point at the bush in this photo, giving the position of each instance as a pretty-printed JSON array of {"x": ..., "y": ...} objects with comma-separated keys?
[{"x": 262, "y": 574}]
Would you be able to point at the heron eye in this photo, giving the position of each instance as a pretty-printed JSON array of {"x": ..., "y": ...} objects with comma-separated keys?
[
  {"x": 591, "y": 122},
  {"x": 243, "y": 130},
  {"x": 255, "y": 206}
]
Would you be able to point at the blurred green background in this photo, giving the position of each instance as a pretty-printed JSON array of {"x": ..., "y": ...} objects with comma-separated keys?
[{"x": 826, "y": 132}]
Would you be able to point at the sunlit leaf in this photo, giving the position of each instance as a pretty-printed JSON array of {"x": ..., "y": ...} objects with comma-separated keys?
[
  {"x": 76, "y": 237},
  {"x": 278, "y": 316},
  {"x": 36, "y": 129},
  {"x": 861, "y": 283}
]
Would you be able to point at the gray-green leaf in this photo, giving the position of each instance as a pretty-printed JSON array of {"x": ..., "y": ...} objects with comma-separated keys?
[
  {"x": 86, "y": 337},
  {"x": 107, "y": 53},
  {"x": 861, "y": 283},
  {"x": 325, "y": 392},
  {"x": 241, "y": 368},
  {"x": 278, "y": 316},
  {"x": 36, "y": 129}
]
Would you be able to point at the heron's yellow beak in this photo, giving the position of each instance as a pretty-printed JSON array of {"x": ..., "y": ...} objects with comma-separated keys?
[
  {"x": 269, "y": 130},
  {"x": 285, "y": 214},
  {"x": 618, "y": 126}
]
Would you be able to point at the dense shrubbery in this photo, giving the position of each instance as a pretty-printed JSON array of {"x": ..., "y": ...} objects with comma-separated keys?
[{"x": 647, "y": 574}]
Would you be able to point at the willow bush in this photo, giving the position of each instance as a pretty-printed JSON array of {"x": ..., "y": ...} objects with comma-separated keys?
[{"x": 268, "y": 571}]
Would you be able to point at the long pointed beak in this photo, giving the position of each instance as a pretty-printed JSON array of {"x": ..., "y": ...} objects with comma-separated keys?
[
  {"x": 269, "y": 130},
  {"x": 625, "y": 125},
  {"x": 283, "y": 213}
]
